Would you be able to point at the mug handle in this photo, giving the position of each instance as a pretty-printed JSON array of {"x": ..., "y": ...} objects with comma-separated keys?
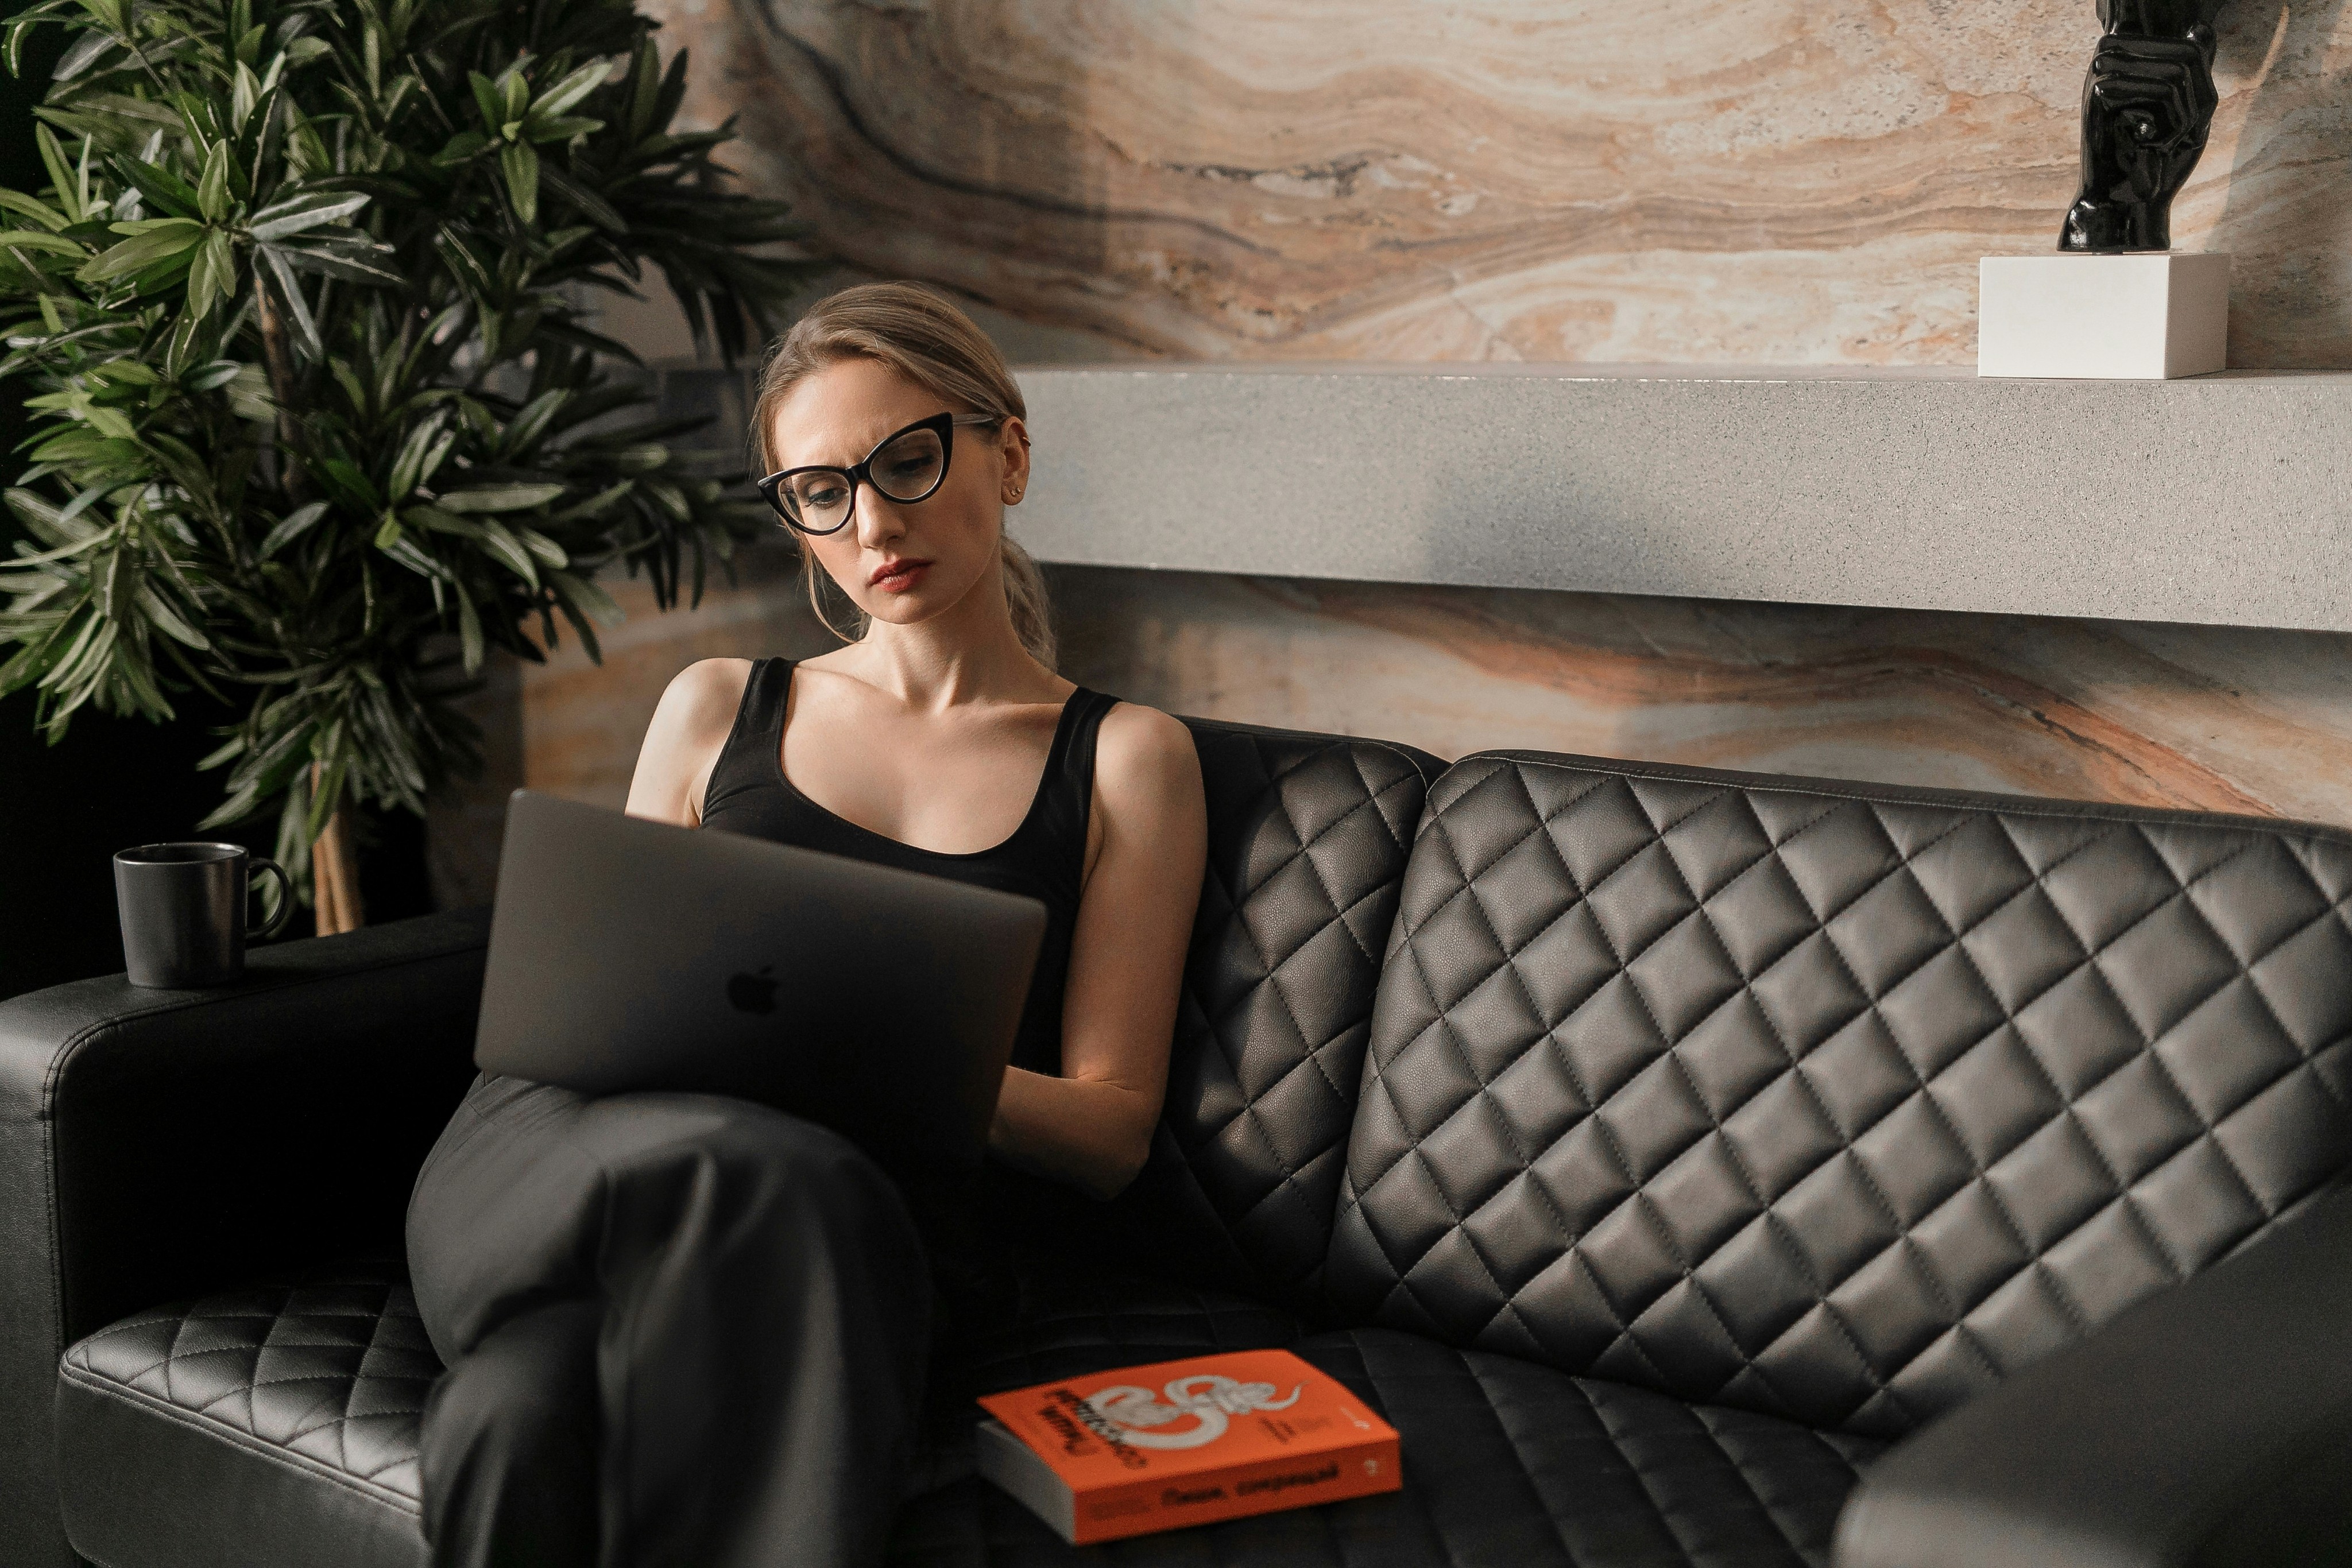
[{"x": 285, "y": 897}]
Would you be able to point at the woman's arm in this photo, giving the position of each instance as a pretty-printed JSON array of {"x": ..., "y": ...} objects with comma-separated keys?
[
  {"x": 688, "y": 730},
  {"x": 1092, "y": 1126}
]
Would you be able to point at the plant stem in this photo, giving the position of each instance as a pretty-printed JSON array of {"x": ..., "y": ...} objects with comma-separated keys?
[
  {"x": 280, "y": 364},
  {"x": 334, "y": 873}
]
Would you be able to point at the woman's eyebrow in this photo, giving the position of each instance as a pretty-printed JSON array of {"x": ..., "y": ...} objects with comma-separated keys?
[{"x": 849, "y": 462}]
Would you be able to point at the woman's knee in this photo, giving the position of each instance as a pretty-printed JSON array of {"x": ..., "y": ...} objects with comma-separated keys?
[
  {"x": 741, "y": 1156},
  {"x": 511, "y": 1441}
]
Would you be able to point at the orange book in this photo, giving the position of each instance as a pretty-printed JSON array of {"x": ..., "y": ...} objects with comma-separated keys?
[{"x": 1184, "y": 1442}]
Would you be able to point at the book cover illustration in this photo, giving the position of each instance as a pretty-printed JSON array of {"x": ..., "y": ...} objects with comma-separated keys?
[{"x": 1151, "y": 1447}]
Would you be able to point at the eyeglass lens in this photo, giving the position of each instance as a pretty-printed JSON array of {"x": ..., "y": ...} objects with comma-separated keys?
[{"x": 908, "y": 469}]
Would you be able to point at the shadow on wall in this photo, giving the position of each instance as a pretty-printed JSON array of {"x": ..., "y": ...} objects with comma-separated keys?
[{"x": 2290, "y": 231}]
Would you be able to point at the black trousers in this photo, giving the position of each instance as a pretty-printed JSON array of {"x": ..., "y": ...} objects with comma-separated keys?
[{"x": 682, "y": 1331}]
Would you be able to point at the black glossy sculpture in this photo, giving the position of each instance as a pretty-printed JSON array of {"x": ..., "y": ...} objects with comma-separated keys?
[{"x": 2146, "y": 106}]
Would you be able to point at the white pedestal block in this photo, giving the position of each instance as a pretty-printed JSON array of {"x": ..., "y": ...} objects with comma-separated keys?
[{"x": 2151, "y": 316}]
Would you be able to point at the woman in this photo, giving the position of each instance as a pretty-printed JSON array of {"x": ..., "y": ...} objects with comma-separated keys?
[{"x": 688, "y": 1330}]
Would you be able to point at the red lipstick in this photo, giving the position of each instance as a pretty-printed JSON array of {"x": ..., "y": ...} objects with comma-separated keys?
[{"x": 898, "y": 574}]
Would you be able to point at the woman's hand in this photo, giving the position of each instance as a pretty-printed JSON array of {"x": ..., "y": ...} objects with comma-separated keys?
[{"x": 1148, "y": 835}]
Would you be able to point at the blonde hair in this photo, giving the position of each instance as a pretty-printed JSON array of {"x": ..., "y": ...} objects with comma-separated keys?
[{"x": 936, "y": 345}]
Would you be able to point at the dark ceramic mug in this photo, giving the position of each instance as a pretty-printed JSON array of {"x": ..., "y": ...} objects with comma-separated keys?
[{"x": 182, "y": 908}]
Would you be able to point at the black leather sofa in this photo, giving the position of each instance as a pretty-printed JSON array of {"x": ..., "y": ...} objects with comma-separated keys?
[{"x": 1698, "y": 1168}]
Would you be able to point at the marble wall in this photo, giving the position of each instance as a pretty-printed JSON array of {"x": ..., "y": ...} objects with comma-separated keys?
[
  {"x": 2208, "y": 719},
  {"x": 1683, "y": 181},
  {"x": 1688, "y": 181}
]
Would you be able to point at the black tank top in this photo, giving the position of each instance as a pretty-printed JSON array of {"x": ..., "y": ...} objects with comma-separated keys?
[{"x": 1043, "y": 859}]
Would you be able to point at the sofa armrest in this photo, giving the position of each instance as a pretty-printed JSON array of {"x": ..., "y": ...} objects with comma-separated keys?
[
  {"x": 2209, "y": 1427},
  {"x": 159, "y": 1144}
]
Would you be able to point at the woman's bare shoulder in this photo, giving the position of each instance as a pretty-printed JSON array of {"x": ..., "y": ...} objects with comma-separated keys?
[
  {"x": 703, "y": 695},
  {"x": 1141, "y": 748},
  {"x": 689, "y": 728}
]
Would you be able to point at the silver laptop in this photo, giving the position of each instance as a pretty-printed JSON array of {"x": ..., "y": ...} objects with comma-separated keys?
[{"x": 634, "y": 955}]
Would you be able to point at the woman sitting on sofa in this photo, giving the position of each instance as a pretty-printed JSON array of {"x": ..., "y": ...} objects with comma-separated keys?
[{"x": 690, "y": 1330}]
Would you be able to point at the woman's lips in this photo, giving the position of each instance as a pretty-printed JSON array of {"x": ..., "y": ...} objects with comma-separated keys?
[{"x": 899, "y": 576}]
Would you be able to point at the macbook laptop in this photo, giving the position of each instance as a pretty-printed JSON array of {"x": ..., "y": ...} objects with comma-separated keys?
[{"x": 633, "y": 955}]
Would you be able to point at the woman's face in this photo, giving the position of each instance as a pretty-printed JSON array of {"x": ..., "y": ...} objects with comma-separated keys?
[{"x": 902, "y": 562}]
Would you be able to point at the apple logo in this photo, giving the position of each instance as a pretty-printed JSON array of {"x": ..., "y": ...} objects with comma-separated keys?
[{"x": 752, "y": 993}]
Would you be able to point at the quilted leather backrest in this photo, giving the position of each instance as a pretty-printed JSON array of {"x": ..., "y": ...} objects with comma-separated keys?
[
  {"x": 1308, "y": 840},
  {"x": 1836, "y": 1102}
]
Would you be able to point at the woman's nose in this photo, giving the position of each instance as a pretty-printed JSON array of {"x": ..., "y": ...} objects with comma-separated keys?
[{"x": 878, "y": 521}]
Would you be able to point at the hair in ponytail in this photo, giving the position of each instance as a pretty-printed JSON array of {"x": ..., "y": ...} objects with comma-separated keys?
[{"x": 934, "y": 344}]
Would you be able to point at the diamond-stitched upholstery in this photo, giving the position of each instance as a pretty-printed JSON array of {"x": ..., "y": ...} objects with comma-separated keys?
[
  {"x": 1713, "y": 1130},
  {"x": 1307, "y": 839},
  {"x": 1827, "y": 1102},
  {"x": 1505, "y": 1463},
  {"x": 334, "y": 1372}
]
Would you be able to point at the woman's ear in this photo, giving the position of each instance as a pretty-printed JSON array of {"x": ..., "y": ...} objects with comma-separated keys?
[{"x": 1013, "y": 447}]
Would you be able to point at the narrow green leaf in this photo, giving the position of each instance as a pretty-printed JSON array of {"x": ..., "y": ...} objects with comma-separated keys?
[
  {"x": 168, "y": 621},
  {"x": 591, "y": 600},
  {"x": 344, "y": 476},
  {"x": 158, "y": 184},
  {"x": 354, "y": 260},
  {"x": 515, "y": 90},
  {"x": 86, "y": 52},
  {"x": 291, "y": 528},
  {"x": 460, "y": 147},
  {"x": 214, "y": 275},
  {"x": 212, "y": 190},
  {"x": 303, "y": 213},
  {"x": 61, "y": 177},
  {"x": 40, "y": 212},
  {"x": 245, "y": 91},
  {"x": 486, "y": 99},
  {"x": 32, "y": 239},
  {"x": 143, "y": 250},
  {"x": 388, "y": 535},
  {"x": 109, "y": 14},
  {"x": 519, "y": 161},
  {"x": 645, "y": 82},
  {"x": 469, "y": 631},
  {"x": 436, "y": 520},
  {"x": 248, "y": 397},
  {"x": 500, "y": 497},
  {"x": 409, "y": 466},
  {"x": 559, "y": 99},
  {"x": 530, "y": 425},
  {"x": 597, "y": 210},
  {"x": 297, "y": 309},
  {"x": 563, "y": 127},
  {"x": 349, "y": 381},
  {"x": 547, "y": 551},
  {"x": 111, "y": 422},
  {"x": 467, "y": 268},
  {"x": 509, "y": 549}
]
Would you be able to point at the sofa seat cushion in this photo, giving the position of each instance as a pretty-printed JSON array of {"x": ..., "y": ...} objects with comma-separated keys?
[
  {"x": 1507, "y": 1463},
  {"x": 249, "y": 1429}
]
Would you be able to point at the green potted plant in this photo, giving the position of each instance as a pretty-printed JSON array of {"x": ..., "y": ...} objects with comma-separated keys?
[{"x": 321, "y": 414}]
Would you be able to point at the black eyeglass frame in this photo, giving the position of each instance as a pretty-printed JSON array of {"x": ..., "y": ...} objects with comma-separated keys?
[{"x": 771, "y": 487}]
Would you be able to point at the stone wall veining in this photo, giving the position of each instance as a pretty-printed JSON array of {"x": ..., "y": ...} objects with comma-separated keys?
[
  {"x": 1775, "y": 181},
  {"x": 1692, "y": 181},
  {"x": 2204, "y": 718}
]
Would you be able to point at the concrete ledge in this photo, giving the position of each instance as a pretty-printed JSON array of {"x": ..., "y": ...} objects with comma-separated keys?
[{"x": 2225, "y": 499}]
